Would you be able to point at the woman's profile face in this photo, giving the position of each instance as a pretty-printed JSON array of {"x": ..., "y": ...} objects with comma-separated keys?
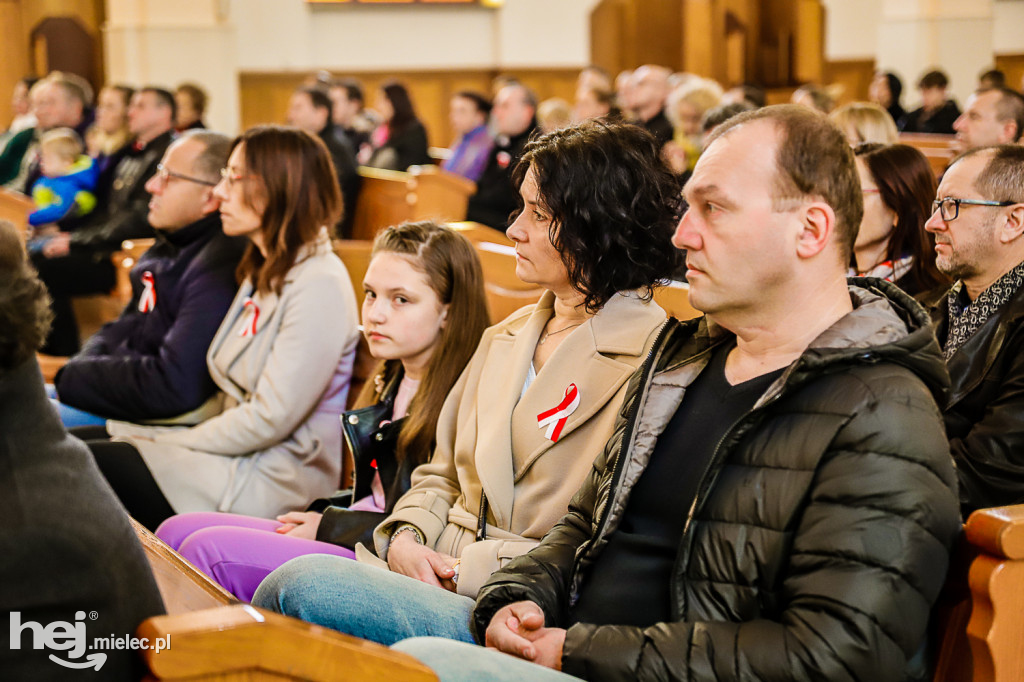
[
  {"x": 237, "y": 217},
  {"x": 402, "y": 315},
  {"x": 879, "y": 220},
  {"x": 537, "y": 260},
  {"x": 111, "y": 112},
  {"x": 383, "y": 106}
]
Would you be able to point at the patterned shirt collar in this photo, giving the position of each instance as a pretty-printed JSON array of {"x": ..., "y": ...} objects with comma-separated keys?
[{"x": 967, "y": 316}]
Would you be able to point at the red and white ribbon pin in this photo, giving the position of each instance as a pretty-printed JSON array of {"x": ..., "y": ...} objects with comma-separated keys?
[
  {"x": 249, "y": 323},
  {"x": 557, "y": 416},
  {"x": 147, "y": 301}
]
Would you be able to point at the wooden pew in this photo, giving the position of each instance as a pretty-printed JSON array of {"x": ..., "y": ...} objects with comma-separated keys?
[
  {"x": 16, "y": 208},
  {"x": 183, "y": 587},
  {"x": 938, "y": 149},
  {"x": 505, "y": 292},
  {"x": 245, "y": 643},
  {"x": 478, "y": 232},
  {"x": 421, "y": 193},
  {"x": 675, "y": 299},
  {"x": 979, "y": 639}
]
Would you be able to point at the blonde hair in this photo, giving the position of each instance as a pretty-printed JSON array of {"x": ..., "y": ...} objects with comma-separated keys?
[
  {"x": 865, "y": 122},
  {"x": 700, "y": 93},
  {"x": 64, "y": 142},
  {"x": 554, "y": 113}
]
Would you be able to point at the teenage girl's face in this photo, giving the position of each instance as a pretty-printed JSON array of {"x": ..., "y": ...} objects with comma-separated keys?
[
  {"x": 402, "y": 316},
  {"x": 879, "y": 220}
]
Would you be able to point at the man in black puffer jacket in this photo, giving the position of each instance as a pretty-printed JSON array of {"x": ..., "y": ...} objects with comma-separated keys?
[{"x": 778, "y": 501}]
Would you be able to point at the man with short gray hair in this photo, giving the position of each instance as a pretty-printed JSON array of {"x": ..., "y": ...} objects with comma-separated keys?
[
  {"x": 151, "y": 362},
  {"x": 978, "y": 225}
]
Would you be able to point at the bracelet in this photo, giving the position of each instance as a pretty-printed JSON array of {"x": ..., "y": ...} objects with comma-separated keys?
[{"x": 411, "y": 528}]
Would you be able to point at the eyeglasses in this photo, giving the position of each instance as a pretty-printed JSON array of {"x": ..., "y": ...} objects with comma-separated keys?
[
  {"x": 949, "y": 208},
  {"x": 229, "y": 178},
  {"x": 164, "y": 174}
]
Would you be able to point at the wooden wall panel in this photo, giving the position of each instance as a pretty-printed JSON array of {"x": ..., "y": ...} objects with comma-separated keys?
[
  {"x": 1013, "y": 66},
  {"x": 264, "y": 96},
  {"x": 625, "y": 34},
  {"x": 854, "y": 75}
]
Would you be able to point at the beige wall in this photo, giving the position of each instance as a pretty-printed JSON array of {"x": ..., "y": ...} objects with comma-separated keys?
[{"x": 909, "y": 37}]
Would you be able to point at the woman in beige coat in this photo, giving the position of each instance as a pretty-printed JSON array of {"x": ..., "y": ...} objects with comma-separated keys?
[
  {"x": 282, "y": 357},
  {"x": 521, "y": 428}
]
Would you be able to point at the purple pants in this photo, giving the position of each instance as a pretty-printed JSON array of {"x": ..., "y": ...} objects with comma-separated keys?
[{"x": 237, "y": 551}]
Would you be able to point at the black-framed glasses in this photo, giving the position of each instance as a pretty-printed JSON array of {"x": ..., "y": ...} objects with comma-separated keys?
[
  {"x": 163, "y": 174},
  {"x": 949, "y": 207}
]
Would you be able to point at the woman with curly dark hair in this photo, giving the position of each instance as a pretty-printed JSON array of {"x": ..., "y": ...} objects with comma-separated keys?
[{"x": 519, "y": 432}]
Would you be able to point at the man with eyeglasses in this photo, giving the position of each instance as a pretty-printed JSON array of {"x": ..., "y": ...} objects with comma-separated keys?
[
  {"x": 978, "y": 223},
  {"x": 76, "y": 262},
  {"x": 151, "y": 362}
]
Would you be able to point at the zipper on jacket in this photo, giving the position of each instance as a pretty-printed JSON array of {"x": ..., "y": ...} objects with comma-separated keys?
[
  {"x": 706, "y": 482},
  {"x": 627, "y": 437}
]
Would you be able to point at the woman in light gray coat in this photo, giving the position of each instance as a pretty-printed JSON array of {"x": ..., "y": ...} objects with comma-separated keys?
[{"x": 282, "y": 357}]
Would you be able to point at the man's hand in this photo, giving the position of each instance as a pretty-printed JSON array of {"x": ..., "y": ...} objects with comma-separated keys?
[
  {"x": 57, "y": 246},
  {"x": 300, "y": 524},
  {"x": 408, "y": 557},
  {"x": 518, "y": 629}
]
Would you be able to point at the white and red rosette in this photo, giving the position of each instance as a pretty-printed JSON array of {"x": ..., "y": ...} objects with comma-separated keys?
[
  {"x": 147, "y": 300},
  {"x": 249, "y": 318},
  {"x": 555, "y": 418}
]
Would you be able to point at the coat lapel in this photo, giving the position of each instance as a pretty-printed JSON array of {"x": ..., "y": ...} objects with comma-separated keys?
[
  {"x": 597, "y": 358},
  {"x": 510, "y": 349}
]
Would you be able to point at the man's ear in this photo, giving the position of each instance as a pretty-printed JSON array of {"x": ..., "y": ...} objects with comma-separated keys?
[
  {"x": 1013, "y": 227},
  {"x": 818, "y": 223},
  {"x": 210, "y": 201}
]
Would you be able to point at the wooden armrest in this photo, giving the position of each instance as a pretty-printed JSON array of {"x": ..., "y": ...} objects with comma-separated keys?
[
  {"x": 998, "y": 531},
  {"x": 242, "y": 640}
]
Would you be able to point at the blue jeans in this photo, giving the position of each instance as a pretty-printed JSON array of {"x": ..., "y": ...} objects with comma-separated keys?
[
  {"x": 72, "y": 416},
  {"x": 459, "y": 662},
  {"x": 364, "y": 601}
]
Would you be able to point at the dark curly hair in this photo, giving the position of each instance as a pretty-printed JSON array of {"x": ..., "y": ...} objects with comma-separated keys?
[
  {"x": 24, "y": 303},
  {"x": 613, "y": 205}
]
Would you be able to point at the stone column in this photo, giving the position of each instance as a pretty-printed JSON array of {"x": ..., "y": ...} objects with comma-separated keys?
[{"x": 156, "y": 42}]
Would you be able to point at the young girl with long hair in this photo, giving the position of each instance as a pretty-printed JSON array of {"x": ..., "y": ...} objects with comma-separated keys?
[{"x": 423, "y": 315}]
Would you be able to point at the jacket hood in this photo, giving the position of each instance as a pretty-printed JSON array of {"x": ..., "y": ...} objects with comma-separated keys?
[{"x": 885, "y": 325}]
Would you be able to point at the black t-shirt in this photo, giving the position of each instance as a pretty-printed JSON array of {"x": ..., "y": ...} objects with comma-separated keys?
[{"x": 629, "y": 583}]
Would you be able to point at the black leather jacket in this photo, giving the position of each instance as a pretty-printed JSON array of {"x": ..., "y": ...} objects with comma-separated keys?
[
  {"x": 373, "y": 449},
  {"x": 985, "y": 411},
  {"x": 821, "y": 530}
]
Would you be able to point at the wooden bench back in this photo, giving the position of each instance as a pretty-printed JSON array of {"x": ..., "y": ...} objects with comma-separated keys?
[
  {"x": 938, "y": 149},
  {"x": 675, "y": 299},
  {"x": 980, "y": 628},
  {"x": 245, "y": 643},
  {"x": 505, "y": 292},
  {"x": 16, "y": 208},
  {"x": 184, "y": 587},
  {"x": 422, "y": 193}
]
